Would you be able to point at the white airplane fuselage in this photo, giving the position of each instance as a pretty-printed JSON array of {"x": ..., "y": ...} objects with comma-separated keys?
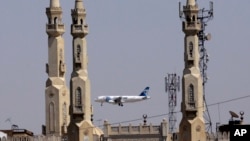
[{"x": 120, "y": 99}]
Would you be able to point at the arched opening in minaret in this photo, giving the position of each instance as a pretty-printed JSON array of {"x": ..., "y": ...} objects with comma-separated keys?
[
  {"x": 78, "y": 98},
  {"x": 188, "y": 18},
  {"x": 74, "y": 20},
  {"x": 64, "y": 113},
  {"x": 61, "y": 69},
  {"x": 51, "y": 117},
  {"x": 191, "y": 101},
  {"x": 81, "y": 22},
  {"x": 78, "y": 52},
  {"x": 194, "y": 19},
  {"x": 49, "y": 19},
  {"x": 55, "y": 20},
  {"x": 77, "y": 57},
  {"x": 190, "y": 49}
]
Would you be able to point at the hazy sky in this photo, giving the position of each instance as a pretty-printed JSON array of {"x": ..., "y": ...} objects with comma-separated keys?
[{"x": 131, "y": 44}]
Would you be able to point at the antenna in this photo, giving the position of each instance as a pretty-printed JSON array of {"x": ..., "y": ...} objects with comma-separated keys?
[
  {"x": 211, "y": 12},
  {"x": 233, "y": 114},
  {"x": 172, "y": 85},
  {"x": 14, "y": 126},
  {"x": 205, "y": 16},
  {"x": 9, "y": 120},
  {"x": 180, "y": 10}
]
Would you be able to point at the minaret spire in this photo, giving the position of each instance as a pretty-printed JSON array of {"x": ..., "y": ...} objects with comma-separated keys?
[
  {"x": 54, "y": 3},
  {"x": 191, "y": 2},
  {"x": 79, "y": 77},
  {"x": 192, "y": 125},
  {"x": 56, "y": 92},
  {"x": 79, "y": 4},
  {"x": 80, "y": 96}
]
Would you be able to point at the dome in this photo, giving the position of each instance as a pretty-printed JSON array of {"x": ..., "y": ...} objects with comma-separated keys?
[{"x": 3, "y": 135}]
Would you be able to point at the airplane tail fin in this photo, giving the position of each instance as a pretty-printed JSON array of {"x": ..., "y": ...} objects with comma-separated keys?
[{"x": 145, "y": 92}]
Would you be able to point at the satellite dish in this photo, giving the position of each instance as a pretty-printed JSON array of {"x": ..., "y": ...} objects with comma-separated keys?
[
  {"x": 233, "y": 114},
  {"x": 208, "y": 36}
]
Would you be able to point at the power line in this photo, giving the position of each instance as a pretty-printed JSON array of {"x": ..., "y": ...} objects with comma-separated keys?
[
  {"x": 230, "y": 100},
  {"x": 165, "y": 114},
  {"x": 160, "y": 115}
]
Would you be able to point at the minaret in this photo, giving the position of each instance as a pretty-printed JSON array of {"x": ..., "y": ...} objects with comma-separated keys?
[
  {"x": 80, "y": 98},
  {"x": 56, "y": 93},
  {"x": 192, "y": 126}
]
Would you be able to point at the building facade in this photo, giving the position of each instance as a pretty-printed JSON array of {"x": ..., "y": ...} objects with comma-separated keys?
[
  {"x": 16, "y": 135},
  {"x": 135, "y": 133}
]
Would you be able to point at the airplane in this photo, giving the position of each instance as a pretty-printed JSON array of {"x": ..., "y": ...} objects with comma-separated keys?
[{"x": 123, "y": 99}]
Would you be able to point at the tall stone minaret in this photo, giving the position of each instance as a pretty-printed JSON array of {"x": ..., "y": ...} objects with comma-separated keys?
[
  {"x": 192, "y": 126},
  {"x": 80, "y": 98},
  {"x": 56, "y": 93}
]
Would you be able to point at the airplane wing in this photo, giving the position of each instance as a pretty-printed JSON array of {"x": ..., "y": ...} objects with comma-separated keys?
[{"x": 119, "y": 101}]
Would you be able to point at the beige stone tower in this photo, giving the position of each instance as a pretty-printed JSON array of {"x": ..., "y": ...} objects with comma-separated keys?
[
  {"x": 192, "y": 126},
  {"x": 81, "y": 126},
  {"x": 56, "y": 93}
]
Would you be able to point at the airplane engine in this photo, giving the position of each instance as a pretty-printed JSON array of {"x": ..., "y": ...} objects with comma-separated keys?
[{"x": 108, "y": 99}]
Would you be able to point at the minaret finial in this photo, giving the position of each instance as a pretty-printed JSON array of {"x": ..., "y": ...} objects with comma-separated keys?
[
  {"x": 78, "y": 4},
  {"x": 54, "y": 3},
  {"x": 191, "y": 2}
]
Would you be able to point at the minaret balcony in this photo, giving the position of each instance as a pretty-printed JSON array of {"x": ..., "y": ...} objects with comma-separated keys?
[
  {"x": 191, "y": 109},
  {"x": 78, "y": 109},
  {"x": 55, "y": 29},
  {"x": 79, "y": 30},
  {"x": 192, "y": 27},
  {"x": 191, "y": 106}
]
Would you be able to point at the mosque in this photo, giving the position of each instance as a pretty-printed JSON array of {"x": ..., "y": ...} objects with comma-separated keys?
[{"x": 69, "y": 112}]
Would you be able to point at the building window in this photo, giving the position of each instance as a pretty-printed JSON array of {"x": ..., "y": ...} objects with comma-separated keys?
[
  {"x": 78, "y": 97},
  {"x": 78, "y": 52},
  {"x": 191, "y": 96},
  {"x": 52, "y": 117},
  {"x": 191, "y": 48},
  {"x": 64, "y": 111}
]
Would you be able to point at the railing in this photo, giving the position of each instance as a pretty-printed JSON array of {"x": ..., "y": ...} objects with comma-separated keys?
[
  {"x": 192, "y": 25},
  {"x": 78, "y": 109},
  {"x": 80, "y": 29},
  {"x": 191, "y": 105},
  {"x": 142, "y": 129},
  {"x": 55, "y": 26}
]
